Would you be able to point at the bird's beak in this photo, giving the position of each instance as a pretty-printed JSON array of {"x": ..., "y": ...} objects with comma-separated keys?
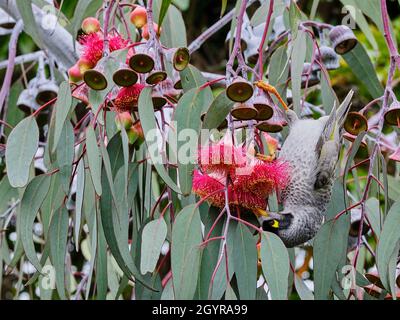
[{"x": 261, "y": 213}]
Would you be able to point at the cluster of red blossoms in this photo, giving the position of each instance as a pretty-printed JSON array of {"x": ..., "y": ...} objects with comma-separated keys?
[
  {"x": 250, "y": 179},
  {"x": 124, "y": 99},
  {"x": 93, "y": 44}
]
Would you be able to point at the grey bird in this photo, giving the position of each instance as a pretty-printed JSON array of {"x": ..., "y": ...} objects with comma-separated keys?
[{"x": 312, "y": 150}]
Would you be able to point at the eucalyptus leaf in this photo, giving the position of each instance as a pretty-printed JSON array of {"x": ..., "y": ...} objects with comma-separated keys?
[
  {"x": 22, "y": 145},
  {"x": 275, "y": 265}
]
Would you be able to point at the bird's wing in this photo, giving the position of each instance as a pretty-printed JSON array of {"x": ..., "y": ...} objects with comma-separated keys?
[{"x": 328, "y": 145}]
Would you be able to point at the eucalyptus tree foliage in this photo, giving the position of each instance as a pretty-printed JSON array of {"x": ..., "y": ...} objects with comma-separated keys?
[{"x": 103, "y": 194}]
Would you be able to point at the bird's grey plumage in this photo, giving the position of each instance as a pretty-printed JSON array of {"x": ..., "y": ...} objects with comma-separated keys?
[{"x": 311, "y": 149}]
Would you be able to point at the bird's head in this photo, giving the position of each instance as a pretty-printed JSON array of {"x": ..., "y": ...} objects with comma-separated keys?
[{"x": 294, "y": 226}]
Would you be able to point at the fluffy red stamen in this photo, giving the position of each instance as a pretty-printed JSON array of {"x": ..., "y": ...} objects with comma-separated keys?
[
  {"x": 128, "y": 97},
  {"x": 93, "y": 44}
]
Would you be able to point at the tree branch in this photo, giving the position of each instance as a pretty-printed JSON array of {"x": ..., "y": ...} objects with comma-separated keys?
[{"x": 58, "y": 42}]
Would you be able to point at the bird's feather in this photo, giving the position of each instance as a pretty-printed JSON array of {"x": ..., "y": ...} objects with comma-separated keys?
[{"x": 328, "y": 145}]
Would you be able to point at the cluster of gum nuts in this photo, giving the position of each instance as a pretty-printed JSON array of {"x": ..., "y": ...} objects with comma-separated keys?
[
  {"x": 140, "y": 65},
  {"x": 252, "y": 103}
]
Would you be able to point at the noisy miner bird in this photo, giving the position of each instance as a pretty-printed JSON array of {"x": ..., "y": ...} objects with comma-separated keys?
[{"x": 312, "y": 150}]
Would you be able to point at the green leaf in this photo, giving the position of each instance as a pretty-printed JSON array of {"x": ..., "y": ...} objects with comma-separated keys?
[
  {"x": 222, "y": 279},
  {"x": 275, "y": 265},
  {"x": 30, "y": 27},
  {"x": 314, "y": 9},
  {"x": 388, "y": 240},
  {"x": 185, "y": 252},
  {"x": 218, "y": 111},
  {"x": 65, "y": 154},
  {"x": 58, "y": 234},
  {"x": 245, "y": 263},
  {"x": 392, "y": 271},
  {"x": 223, "y": 7},
  {"x": 330, "y": 244},
  {"x": 373, "y": 212},
  {"x": 209, "y": 254},
  {"x": 187, "y": 116},
  {"x": 298, "y": 56},
  {"x": 62, "y": 109},
  {"x": 32, "y": 199},
  {"x": 94, "y": 159},
  {"x": 302, "y": 290},
  {"x": 174, "y": 30},
  {"x": 101, "y": 261},
  {"x": 83, "y": 9},
  {"x": 146, "y": 114},
  {"x": 163, "y": 11},
  {"x": 191, "y": 78},
  {"x": 80, "y": 187},
  {"x": 153, "y": 237},
  {"x": 394, "y": 187},
  {"x": 21, "y": 147},
  {"x": 328, "y": 95},
  {"x": 279, "y": 70},
  {"x": 262, "y": 12},
  {"x": 359, "y": 61},
  {"x": 8, "y": 194}
]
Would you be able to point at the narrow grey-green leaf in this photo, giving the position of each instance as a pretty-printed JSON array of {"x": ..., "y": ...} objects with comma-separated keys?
[
  {"x": 185, "y": 252},
  {"x": 146, "y": 114},
  {"x": 329, "y": 245},
  {"x": 30, "y": 27},
  {"x": 163, "y": 11},
  {"x": 245, "y": 263},
  {"x": 388, "y": 240},
  {"x": 217, "y": 112},
  {"x": 174, "y": 30},
  {"x": 275, "y": 265},
  {"x": 58, "y": 234},
  {"x": 364, "y": 70},
  {"x": 32, "y": 199},
  {"x": 153, "y": 237},
  {"x": 94, "y": 159},
  {"x": 222, "y": 278},
  {"x": 62, "y": 109},
  {"x": 21, "y": 147},
  {"x": 191, "y": 78},
  {"x": 298, "y": 56},
  {"x": 302, "y": 290},
  {"x": 187, "y": 115},
  {"x": 65, "y": 154},
  {"x": 80, "y": 187}
]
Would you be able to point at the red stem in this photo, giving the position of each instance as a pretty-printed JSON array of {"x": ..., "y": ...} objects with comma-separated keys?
[{"x": 264, "y": 36}]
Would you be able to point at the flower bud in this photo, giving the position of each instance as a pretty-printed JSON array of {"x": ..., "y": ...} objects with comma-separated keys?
[
  {"x": 123, "y": 120},
  {"x": 139, "y": 17},
  {"x": 145, "y": 31},
  {"x": 90, "y": 25},
  {"x": 75, "y": 74},
  {"x": 84, "y": 65},
  {"x": 135, "y": 134}
]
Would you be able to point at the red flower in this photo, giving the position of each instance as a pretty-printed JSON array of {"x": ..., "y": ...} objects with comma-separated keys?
[
  {"x": 262, "y": 177},
  {"x": 212, "y": 187},
  {"x": 252, "y": 179},
  {"x": 93, "y": 45},
  {"x": 221, "y": 157},
  {"x": 127, "y": 98}
]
